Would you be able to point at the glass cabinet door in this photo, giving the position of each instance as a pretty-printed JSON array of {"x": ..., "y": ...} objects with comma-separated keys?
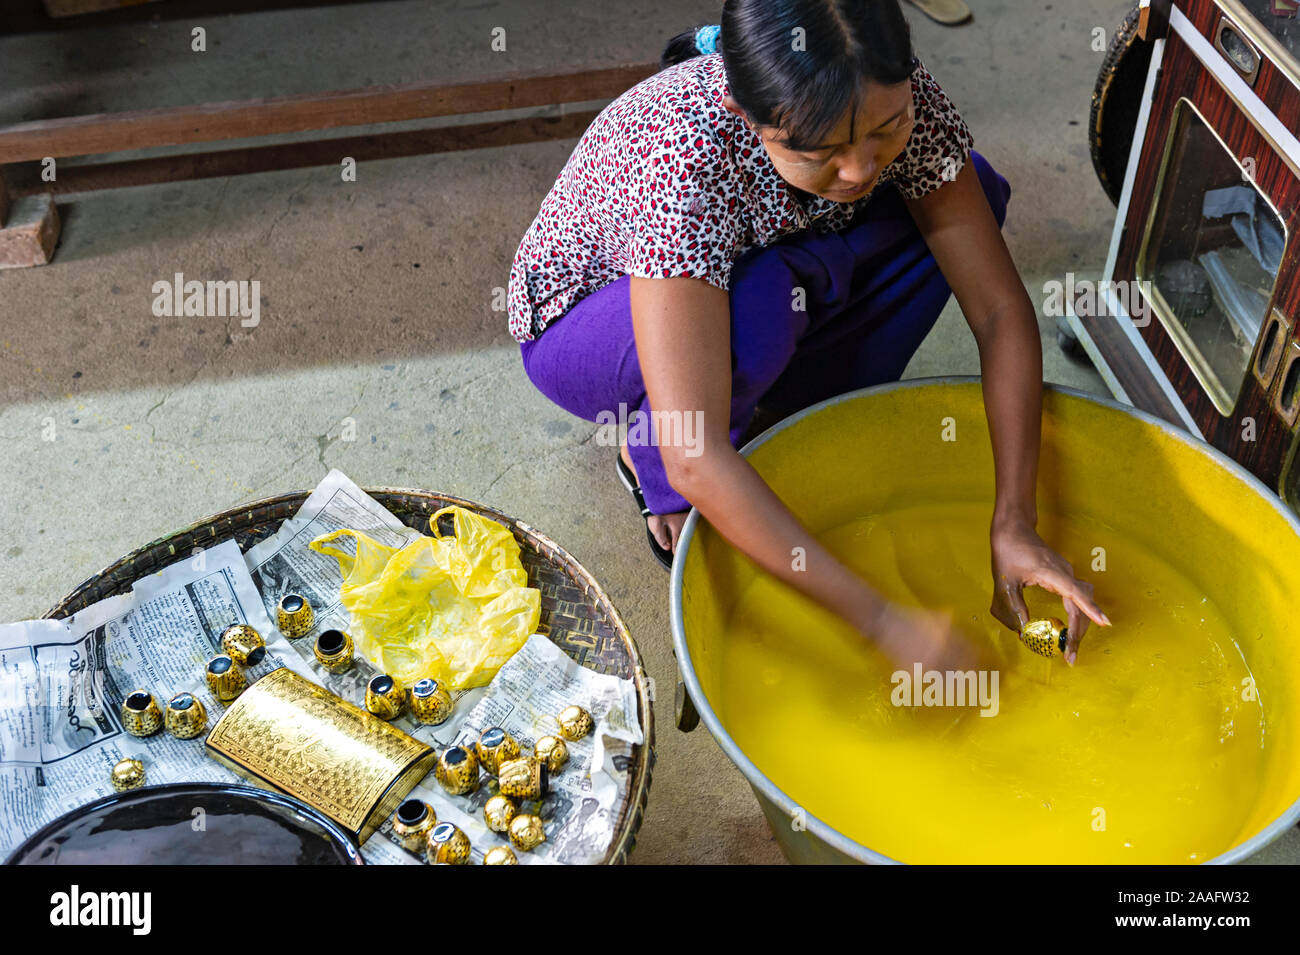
[
  {"x": 1211, "y": 255},
  {"x": 1279, "y": 20}
]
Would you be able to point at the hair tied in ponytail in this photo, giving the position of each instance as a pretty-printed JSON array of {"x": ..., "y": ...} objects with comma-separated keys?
[{"x": 706, "y": 39}]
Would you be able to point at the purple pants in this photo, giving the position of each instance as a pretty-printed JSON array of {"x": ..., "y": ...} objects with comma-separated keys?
[{"x": 872, "y": 294}]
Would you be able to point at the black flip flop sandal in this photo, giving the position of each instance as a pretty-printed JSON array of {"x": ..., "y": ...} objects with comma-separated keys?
[{"x": 625, "y": 475}]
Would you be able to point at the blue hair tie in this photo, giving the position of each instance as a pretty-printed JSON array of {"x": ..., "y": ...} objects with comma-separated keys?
[{"x": 706, "y": 39}]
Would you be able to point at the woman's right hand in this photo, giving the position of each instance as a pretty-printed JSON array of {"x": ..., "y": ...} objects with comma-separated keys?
[{"x": 910, "y": 635}]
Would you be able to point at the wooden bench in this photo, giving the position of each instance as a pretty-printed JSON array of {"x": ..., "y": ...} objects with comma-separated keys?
[{"x": 29, "y": 237}]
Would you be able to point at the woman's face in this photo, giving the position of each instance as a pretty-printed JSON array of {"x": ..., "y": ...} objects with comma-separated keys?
[{"x": 845, "y": 165}]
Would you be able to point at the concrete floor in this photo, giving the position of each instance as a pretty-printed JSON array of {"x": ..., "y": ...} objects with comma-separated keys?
[{"x": 377, "y": 306}]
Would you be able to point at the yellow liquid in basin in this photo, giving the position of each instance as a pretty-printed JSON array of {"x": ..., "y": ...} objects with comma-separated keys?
[{"x": 1150, "y": 749}]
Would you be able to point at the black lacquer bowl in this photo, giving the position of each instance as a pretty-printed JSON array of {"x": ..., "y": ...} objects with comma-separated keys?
[{"x": 191, "y": 824}]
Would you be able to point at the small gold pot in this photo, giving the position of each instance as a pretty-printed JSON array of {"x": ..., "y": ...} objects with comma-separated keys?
[
  {"x": 446, "y": 845},
  {"x": 186, "y": 716},
  {"x": 494, "y": 747},
  {"x": 127, "y": 774},
  {"x": 575, "y": 723},
  {"x": 140, "y": 713},
  {"x": 412, "y": 823},
  {"x": 1045, "y": 637},
  {"x": 457, "y": 770},
  {"x": 243, "y": 644},
  {"x": 501, "y": 855},
  {"x": 497, "y": 813},
  {"x": 430, "y": 703},
  {"x": 334, "y": 650},
  {"x": 385, "y": 697},
  {"x": 526, "y": 832},
  {"x": 225, "y": 678},
  {"x": 523, "y": 778},
  {"x": 552, "y": 751},
  {"x": 294, "y": 616}
]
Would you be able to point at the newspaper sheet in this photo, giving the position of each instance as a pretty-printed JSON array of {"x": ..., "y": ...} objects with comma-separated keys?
[{"x": 62, "y": 681}]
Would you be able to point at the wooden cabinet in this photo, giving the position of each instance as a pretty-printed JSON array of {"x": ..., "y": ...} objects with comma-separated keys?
[{"x": 1202, "y": 326}]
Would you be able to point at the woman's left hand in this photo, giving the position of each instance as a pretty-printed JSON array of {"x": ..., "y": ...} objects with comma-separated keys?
[{"x": 1021, "y": 558}]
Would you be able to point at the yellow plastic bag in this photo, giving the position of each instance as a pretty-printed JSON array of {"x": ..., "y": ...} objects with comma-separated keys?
[{"x": 450, "y": 608}]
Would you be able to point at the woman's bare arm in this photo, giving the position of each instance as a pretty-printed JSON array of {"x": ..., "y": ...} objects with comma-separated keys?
[
  {"x": 962, "y": 233},
  {"x": 683, "y": 338}
]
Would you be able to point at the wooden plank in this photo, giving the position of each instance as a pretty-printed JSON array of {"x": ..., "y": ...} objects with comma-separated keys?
[
  {"x": 32, "y": 233},
  {"x": 26, "y": 180},
  {"x": 174, "y": 126}
]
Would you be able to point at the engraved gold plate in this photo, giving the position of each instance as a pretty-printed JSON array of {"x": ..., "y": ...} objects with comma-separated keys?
[{"x": 288, "y": 734}]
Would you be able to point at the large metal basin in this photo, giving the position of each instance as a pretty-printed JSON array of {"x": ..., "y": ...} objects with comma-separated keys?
[{"x": 1189, "y": 503}]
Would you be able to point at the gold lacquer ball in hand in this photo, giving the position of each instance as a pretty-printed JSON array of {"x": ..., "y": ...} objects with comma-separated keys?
[
  {"x": 225, "y": 678},
  {"x": 446, "y": 845},
  {"x": 412, "y": 823},
  {"x": 526, "y": 832},
  {"x": 243, "y": 644},
  {"x": 430, "y": 703},
  {"x": 523, "y": 778},
  {"x": 385, "y": 697},
  {"x": 1046, "y": 637},
  {"x": 575, "y": 723},
  {"x": 457, "y": 770},
  {"x": 186, "y": 716},
  {"x": 334, "y": 650},
  {"x": 294, "y": 616},
  {"x": 140, "y": 713},
  {"x": 552, "y": 751},
  {"x": 501, "y": 855},
  {"x": 127, "y": 774},
  {"x": 495, "y": 746},
  {"x": 497, "y": 813}
]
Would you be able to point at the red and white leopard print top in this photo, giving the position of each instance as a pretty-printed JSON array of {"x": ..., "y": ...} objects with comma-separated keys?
[{"x": 666, "y": 182}]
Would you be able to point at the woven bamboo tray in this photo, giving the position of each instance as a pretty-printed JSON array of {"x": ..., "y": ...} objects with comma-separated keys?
[{"x": 576, "y": 614}]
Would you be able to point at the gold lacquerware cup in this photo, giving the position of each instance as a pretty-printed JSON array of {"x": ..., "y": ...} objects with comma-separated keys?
[
  {"x": 446, "y": 845},
  {"x": 412, "y": 823},
  {"x": 140, "y": 713},
  {"x": 385, "y": 697},
  {"x": 243, "y": 644},
  {"x": 430, "y": 703},
  {"x": 457, "y": 770},
  {"x": 494, "y": 747},
  {"x": 334, "y": 650},
  {"x": 186, "y": 716},
  {"x": 294, "y": 616},
  {"x": 225, "y": 678}
]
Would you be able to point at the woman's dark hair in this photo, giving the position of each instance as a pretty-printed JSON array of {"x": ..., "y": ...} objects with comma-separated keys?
[{"x": 800, "y": 64}]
